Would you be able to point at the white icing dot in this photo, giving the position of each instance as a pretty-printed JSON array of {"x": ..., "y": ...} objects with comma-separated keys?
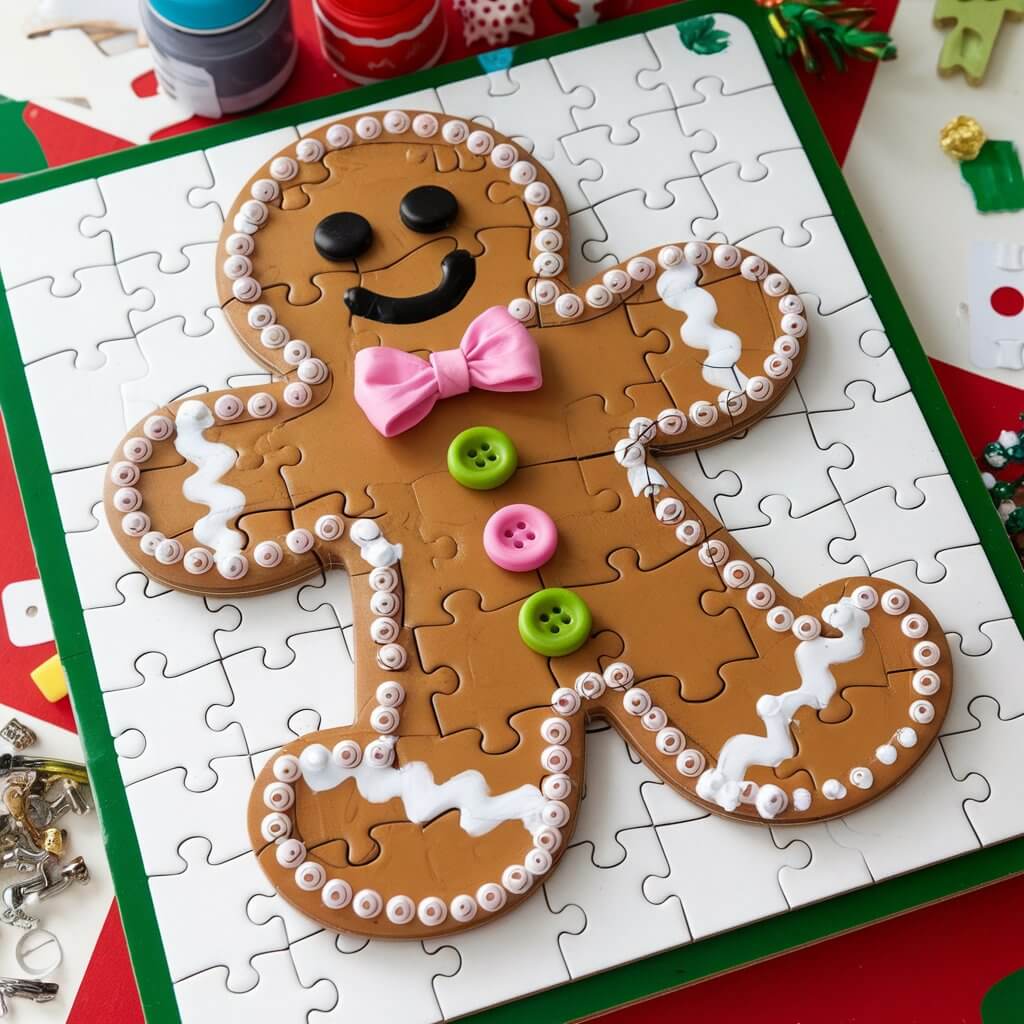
[
  {"x": 669, "y": 740},
  {"x": 770, "y": 801},
  {"x": 895, "y": 601},
  {"x": 738, "y": 574},
  {"x": 127, "y": 499},
  {"x": 690, "y": 763},
  {"x": 544, "y": 292},
  {"x": 309, "y": 150},
  {"x": 761, "y": 595},
  {"x": 726, "y": 256},
  {"x": 655, "y": 719},
  {"x": 367, "y": 904},
  {"x": 775, "y": 285},
  {"x": 424, "y": 125},
  {"x": 312, "y": 371},
  {"x": 713, "y": 552},
  {"x": 640, "y": 268},
  {"x": 400, "y": 910},
  {"x": 617, "y": 281},
  {"x": 296, "y": 394},
  {"x": 299, "y": 541},
  {"x": 329, "y": 527},
  {"x": 670, "y": 256},
  {"x": 777, "y": 366},
  {"x": 618, "y": 675},
  {"x": 233, "y": 567},
  {"x": 368, "y": 128},
  {"x": 339, "y": 136},
  {"x": 794, "y": 325},
  {"x": 158, "y": 428},
  {"x": 260, "y": 316},
  {"x": 556, "y": 787},
  {"x": 926, "y": 653},
  {"x": 801, "y": 799},
  {"x": 555, "y": 813},
  {"x": 504, "y": 155},
  {"x": 548, "y": 264},
  {"x": 384, "y": 603},
  {"x": 490, "y": 897},
  {"x": 243, "y": 225},
  {"x": 246, "y": 289},
  {"x": 309, "y": 876},
  {"x": 753, "y": 268},
  {"x": 197, "y": 561},
  {"x": 791, "y": 304},
  {"x": 915, "y": 626},
  {"x": 169, "y": 551},
  {"x": 295, "y": 352},
  {"x": 283, "y": 168},
  {"x": 255, "y": 211},
  {"x": 598, "y": 296},
  {"x": 537, "y": 862},
  {"x": 137, "y": 449},
  {"x": 135, "y": 524},
  {"x": 887, "y": 753},
  {"x": 556, "y": 758},
  {"x": 274, "y": 336},
  {"x": 390, "y": 694},
  {"x": 568, "y": 305},
  {"x": 228, "y": 407},
  {"x": 636, "y": 701},
  {"x": 392, "y": 657},
  {"x": 383, "y": 578},
  {"x": 548, "y": 240},
  {"x": 669, "y": 510},
  {"x": 906, "y": 737},
  {"x": 759, "y": 388},
  {"x": 239, "y": 244},
  {"x": 536, "y": 193},
  {"x": 922, "y": 711},
  {"x": 347, "y": 753},
  {"x": 290, "y": 853},
  {"x": 732, "y": 403},
  {"x": 555, "y": 730},
  {"x": 697, "y": 253},
  {"x": 516, "y": 879},
  {"x": 565, "y": 702},
  {"x": 463, "y": 908},
  {"x": 703, "y": 414},
  {"x": 865, "y": 597},
  {"x": 806, "y": 627},
  {"x": 480, "y": 142},
  {"x": 547, "y": 838},
  {"x": 149, "y": 542},
  {"x": 780, "y": 619},
  {"x": 521, "y": 309},
  {"x": 336, "y": 894},
  {"x": 275, "y": 826},
  {"x": 590, "y": 685},
  {"x": 384, "y": 630},
  {"x": 926, "y": 682},
  {"x": 267, "y": 554},
  {"x": 455, "y": 132},
  {"x": 642, "y": 429},
  {"x": 833, "y": 789},
  {"x": 396, "y": 122},
  {"x": 689, "y": 532},
  {"x": 629, "y": 452},
  {"x": 278, "y": 796},
  {"x": 671, "y": 421},
  {"x": 546, "y": 217},
  {"x": 522, "y": 172},
  {"x": 862, "y": 778},
  {"x": 786, "y": 346},
  {"x": 261, "y": 405}
]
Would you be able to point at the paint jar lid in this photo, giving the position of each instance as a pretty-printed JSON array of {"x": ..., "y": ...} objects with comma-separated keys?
[{"x": 206, "y": 15}]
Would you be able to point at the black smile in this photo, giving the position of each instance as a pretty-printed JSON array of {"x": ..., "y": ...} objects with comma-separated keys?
[{"x": 458, "y": 272}]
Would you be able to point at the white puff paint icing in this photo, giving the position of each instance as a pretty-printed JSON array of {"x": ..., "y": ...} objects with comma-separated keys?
[
  {"x": 212, "y": 460},
  {"x": 424, "y": 799},
  {"x": 645, "y": 480},
  {"x": 374, "y": 547},
  {"x": 814, "y": 659},
  {"x": 679, "y": 290}
]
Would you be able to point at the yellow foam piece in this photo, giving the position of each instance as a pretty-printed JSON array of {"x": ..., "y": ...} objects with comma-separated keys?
[{"x": 50, "y": 679}]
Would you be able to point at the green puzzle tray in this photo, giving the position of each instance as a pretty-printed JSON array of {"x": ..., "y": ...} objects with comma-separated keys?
[{"x": 655, "y": 974}]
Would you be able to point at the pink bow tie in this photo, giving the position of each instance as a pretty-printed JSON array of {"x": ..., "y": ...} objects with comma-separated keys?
[{"x": 396, "y": 390}]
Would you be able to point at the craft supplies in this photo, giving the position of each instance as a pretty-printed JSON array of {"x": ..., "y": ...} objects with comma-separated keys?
[{"x": 218, "y": 57}]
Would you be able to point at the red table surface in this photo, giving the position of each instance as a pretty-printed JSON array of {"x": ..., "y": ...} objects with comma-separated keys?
[{"x": 931, "y": 966}]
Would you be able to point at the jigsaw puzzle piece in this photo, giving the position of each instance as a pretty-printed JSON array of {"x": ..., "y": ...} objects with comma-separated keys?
[
  {"x": 489, "y": 974},
  {"x": 822, "y": 266},
  {"x": 662, "y": 150},
  {"x": 994, "y": 749},
  {"x": 808, "y": 483},
  {"x": 66, "y": 250},
  {"x": 738, "y": 63},
  {"x": 79, "y": 494},
  {"x": 57, "y": 387},
  {"x": 789, "y": 191},
  {"x": 586, "y": 234},
  {"x": 211, "y": 814},
  {"x": 161, "y": 724},
  {"x": 723, "y": 873},
  {"x": 277, "y": 995},
  {"x": 365, "y": 973},
  {"x": 99, "y": 311},
  {"x": 219, "y": 893},
  {"x": 993, "y": 674},
  {"x": 832, "y": 868},
  {"x": 320, "y": 678},
  {"x": 508, "y": 101},
  {"x": 98, "y": 562},
  {"x": 120, "y": 634},
  {"x": 570, "y": 176},
  {"x": 231, "y": 166},
  {"x": 262, "y": 909},
  {"x": 886, "y": 533},
  {"x": 689, "y": 470},
  {"x": 848, "y": 346},
  {"x": 190, "y": 293},
  {"x": 136, "y": 224},
  {"x": 921, "y": 821},
  {"x": 612, "y": 899},
  {"x": 796, "y": 547},
  {"x": 743, "y": 127}
]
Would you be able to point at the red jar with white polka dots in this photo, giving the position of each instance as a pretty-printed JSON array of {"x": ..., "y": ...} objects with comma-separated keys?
[{"x": 374, "y": 40}]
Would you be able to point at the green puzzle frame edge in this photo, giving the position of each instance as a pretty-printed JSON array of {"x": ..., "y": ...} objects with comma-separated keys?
[{"x": 632, "y": 982}]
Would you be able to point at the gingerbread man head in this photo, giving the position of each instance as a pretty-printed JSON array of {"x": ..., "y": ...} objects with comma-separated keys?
[{"x": 473, "y": 437}]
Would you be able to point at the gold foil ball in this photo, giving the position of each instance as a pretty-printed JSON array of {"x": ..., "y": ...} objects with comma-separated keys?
[{"x": 962, "y": 138}]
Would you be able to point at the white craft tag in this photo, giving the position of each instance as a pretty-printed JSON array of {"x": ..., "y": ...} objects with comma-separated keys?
[
  {"x": 26, "y": 614},
  {"x": 996, "y": 305}
]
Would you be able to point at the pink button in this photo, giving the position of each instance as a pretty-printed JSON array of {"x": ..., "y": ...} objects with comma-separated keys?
[{"x": 520, "y": 537}]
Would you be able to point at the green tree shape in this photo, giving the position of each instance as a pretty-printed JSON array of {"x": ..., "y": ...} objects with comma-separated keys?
[
  {"x": 700, "y": 36},
  {"x": 1003, "y": 1001},
  {"x": 975, "y": 26}
]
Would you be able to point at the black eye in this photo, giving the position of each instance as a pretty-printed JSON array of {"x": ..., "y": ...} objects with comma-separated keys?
[
  {"x": 342, "y": 236},
  {"x": 428, "y": 208}
]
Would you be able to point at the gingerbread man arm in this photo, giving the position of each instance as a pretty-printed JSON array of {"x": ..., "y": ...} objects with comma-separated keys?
[{"x": 456, "y": 787}]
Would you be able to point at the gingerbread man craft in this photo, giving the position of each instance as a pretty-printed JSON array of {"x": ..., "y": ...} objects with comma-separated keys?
[{"x": 474, "y": 439}]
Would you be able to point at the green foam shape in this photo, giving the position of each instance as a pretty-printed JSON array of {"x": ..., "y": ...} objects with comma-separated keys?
[
  {"x": 995, "y": 177},
  {"x": 1003, "y": 1001}
]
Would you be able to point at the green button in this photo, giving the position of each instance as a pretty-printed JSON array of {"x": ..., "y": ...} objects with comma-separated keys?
[
  {"x": 482, "y": 458},
  {"x": 554, "y": 622}
]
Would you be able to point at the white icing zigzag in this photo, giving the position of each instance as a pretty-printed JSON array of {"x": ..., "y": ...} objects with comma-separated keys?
[
  {"x": 423, "y": 799},
  {"x": 679, "y": 290},
  {"x": 212, "y": 460},
  {"x": 814, "y": 659}
]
